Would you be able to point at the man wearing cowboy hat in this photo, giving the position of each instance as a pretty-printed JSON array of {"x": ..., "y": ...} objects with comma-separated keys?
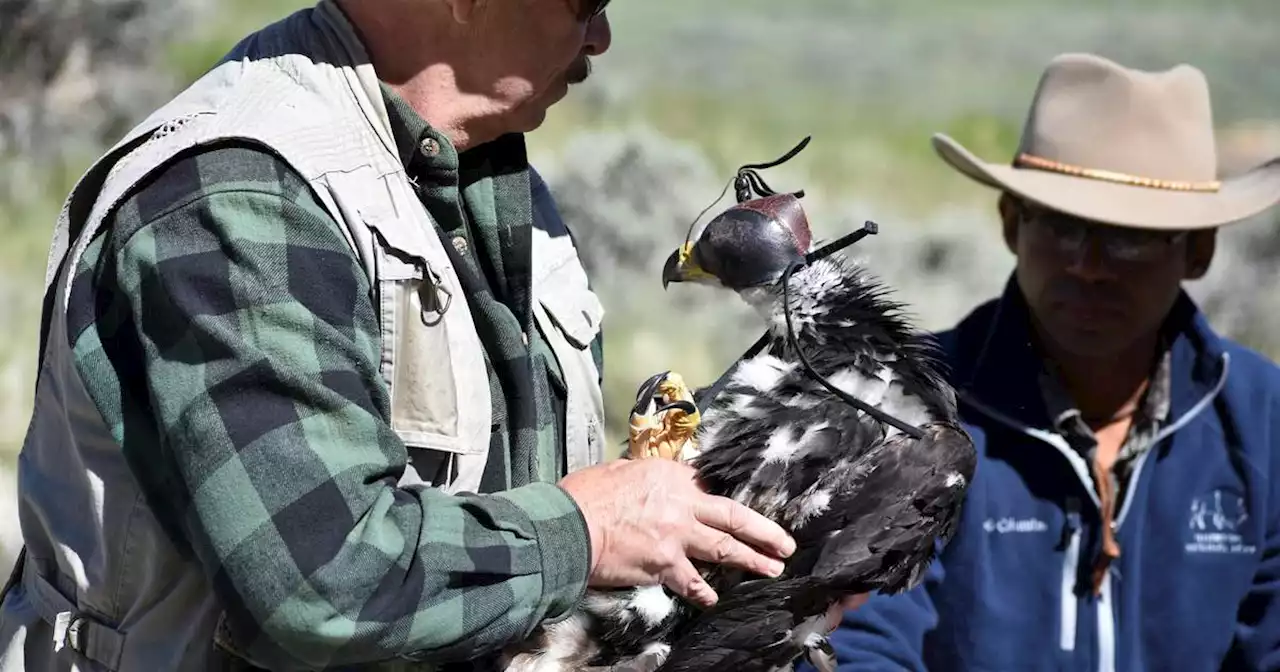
[{"x": 1125, "y": 514}]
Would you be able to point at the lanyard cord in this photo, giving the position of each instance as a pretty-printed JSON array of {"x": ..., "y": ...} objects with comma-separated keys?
[
  {"x": 708, "y": 394},
  {"x": 747, "y": 181},
  {"x": 844, "y": 396}
]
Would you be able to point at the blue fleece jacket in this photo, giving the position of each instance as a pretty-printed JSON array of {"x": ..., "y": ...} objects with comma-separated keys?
[{"x": 1197, "y": 585}]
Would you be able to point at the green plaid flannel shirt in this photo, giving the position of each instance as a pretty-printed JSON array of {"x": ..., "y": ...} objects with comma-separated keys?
[{"x": 228, "y": 336}]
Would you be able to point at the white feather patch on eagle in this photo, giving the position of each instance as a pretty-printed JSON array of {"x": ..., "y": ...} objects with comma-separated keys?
[
  {"x": 821, "y": 277},
  {"x": 818, "y": 279},
  {"x": 955, "y": 479},
  {"x": 743, "y": 406},
  {"x": 762, "y": 373},
  {"x": 812, "y": 505},
  {"x": 708, "y": 433},
  {"x": 868, "y": 389},
  {"x": 782, "y": 448},
  {"x": 652, "y": 604},
  {"x": 608, "y": 604},
  {"x": 905, "y": 407},
  {"x": 779, "y": 447},
  {"x": 804, "y": 401}
]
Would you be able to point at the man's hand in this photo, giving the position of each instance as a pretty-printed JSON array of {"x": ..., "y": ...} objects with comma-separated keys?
[
  {"x": 647, "y": 518},
  {"x": 836, "y": 613}
]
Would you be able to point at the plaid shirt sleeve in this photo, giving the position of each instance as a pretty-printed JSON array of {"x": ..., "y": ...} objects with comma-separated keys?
[{"x": 253, "y": 415}]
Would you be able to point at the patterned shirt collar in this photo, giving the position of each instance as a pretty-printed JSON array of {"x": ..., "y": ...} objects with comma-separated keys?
[
  {"x": 412, "y": 133},
  {"x": 1112, "y": 484},
  {"x": 1065, "y": 415}
]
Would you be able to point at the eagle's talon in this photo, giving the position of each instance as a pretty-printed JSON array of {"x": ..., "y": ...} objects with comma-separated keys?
[
  {"x": 664, "y": 419},
  {"x": 647, "y": 392},
  {"x": 686, "y": 406}
]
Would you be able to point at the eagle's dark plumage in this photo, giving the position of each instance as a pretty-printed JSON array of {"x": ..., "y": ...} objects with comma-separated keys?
[{"x": 865, "y": 501}]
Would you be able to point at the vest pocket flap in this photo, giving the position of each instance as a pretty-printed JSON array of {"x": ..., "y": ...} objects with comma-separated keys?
[
  {"x": 560, "y": 284},
  {"x": 576, "y": 311},
  {"x": 429, "y": 439},
  {"x": 406, "y": 249},
  {"x": 394, "y": 267}
]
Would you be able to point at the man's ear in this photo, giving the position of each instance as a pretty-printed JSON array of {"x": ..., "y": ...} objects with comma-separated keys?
[
  {"x": 1201, "y": 246},
  {"x": 1008, "y": 207}
]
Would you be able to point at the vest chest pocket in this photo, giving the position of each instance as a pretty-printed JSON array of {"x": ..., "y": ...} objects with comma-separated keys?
[
  {"x": 432, "y": 358},
  {"x": 569, "y": 316},
  {"x": 575, "y": 312}
]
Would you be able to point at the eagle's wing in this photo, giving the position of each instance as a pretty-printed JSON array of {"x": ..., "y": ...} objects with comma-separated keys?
[
  {"x": 753, "y": 628},
  {"x": 882, "y": 513},
  {"x": 772, "y": 436},
  {"x": 882, "y": 527}
]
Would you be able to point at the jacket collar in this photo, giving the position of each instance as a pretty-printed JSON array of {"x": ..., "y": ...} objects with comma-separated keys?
[{"x": 995, "y": 364}]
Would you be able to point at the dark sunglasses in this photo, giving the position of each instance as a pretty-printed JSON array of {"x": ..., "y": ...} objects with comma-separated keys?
[
  {"x": 590, "y": 9},
  {"x": 1068, "y": 234}
]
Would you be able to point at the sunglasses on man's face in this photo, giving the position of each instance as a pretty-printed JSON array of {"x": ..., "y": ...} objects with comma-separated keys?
[
  {"x": 590, "y": 9},
  {"x": 1068, "y": 234}
]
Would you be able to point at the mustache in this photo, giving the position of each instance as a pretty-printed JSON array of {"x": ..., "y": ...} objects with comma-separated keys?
[{"x": 579, "y": 70}]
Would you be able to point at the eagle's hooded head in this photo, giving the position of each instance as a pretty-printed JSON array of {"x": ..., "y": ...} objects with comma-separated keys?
[{"x": 748, "y": 246}]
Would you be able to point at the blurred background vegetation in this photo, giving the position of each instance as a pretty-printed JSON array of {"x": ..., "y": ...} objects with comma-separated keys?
[{"x": 688, "y": 92}]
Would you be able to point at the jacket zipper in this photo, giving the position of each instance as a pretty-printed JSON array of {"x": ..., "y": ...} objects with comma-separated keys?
[
  {"x": 1071, "y": 561},
  {"x": 1070, "y": 567},
  {"x": 1106, "y": 627}
]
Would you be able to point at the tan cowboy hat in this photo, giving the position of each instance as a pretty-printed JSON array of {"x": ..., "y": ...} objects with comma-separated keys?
[{"x": 1123, "y": 147}]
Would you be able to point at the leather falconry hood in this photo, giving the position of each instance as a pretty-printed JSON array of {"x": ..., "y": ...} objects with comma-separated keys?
[{"x": 756, "y": 199}]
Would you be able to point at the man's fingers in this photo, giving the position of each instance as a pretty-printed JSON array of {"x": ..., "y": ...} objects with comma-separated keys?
[
  {"x": 835, "y": 614},
  {"x": 745, "y": 524},
  {"x": 683, "y": 579},
  {"x": 712, "y": 545}
]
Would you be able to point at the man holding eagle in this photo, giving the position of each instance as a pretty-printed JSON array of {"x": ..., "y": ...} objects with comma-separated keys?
[
  {"x": 319, "y": 389},
  {"x": 319, "y": 381},
  {"x": 838, "y": 426}
]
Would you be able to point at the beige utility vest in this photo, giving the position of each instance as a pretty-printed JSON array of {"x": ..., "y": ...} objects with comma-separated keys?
[{"x": 102, "y": 587}]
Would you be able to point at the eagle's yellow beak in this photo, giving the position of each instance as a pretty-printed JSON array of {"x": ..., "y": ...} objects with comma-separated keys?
[{"x": 681, "y": 266}]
